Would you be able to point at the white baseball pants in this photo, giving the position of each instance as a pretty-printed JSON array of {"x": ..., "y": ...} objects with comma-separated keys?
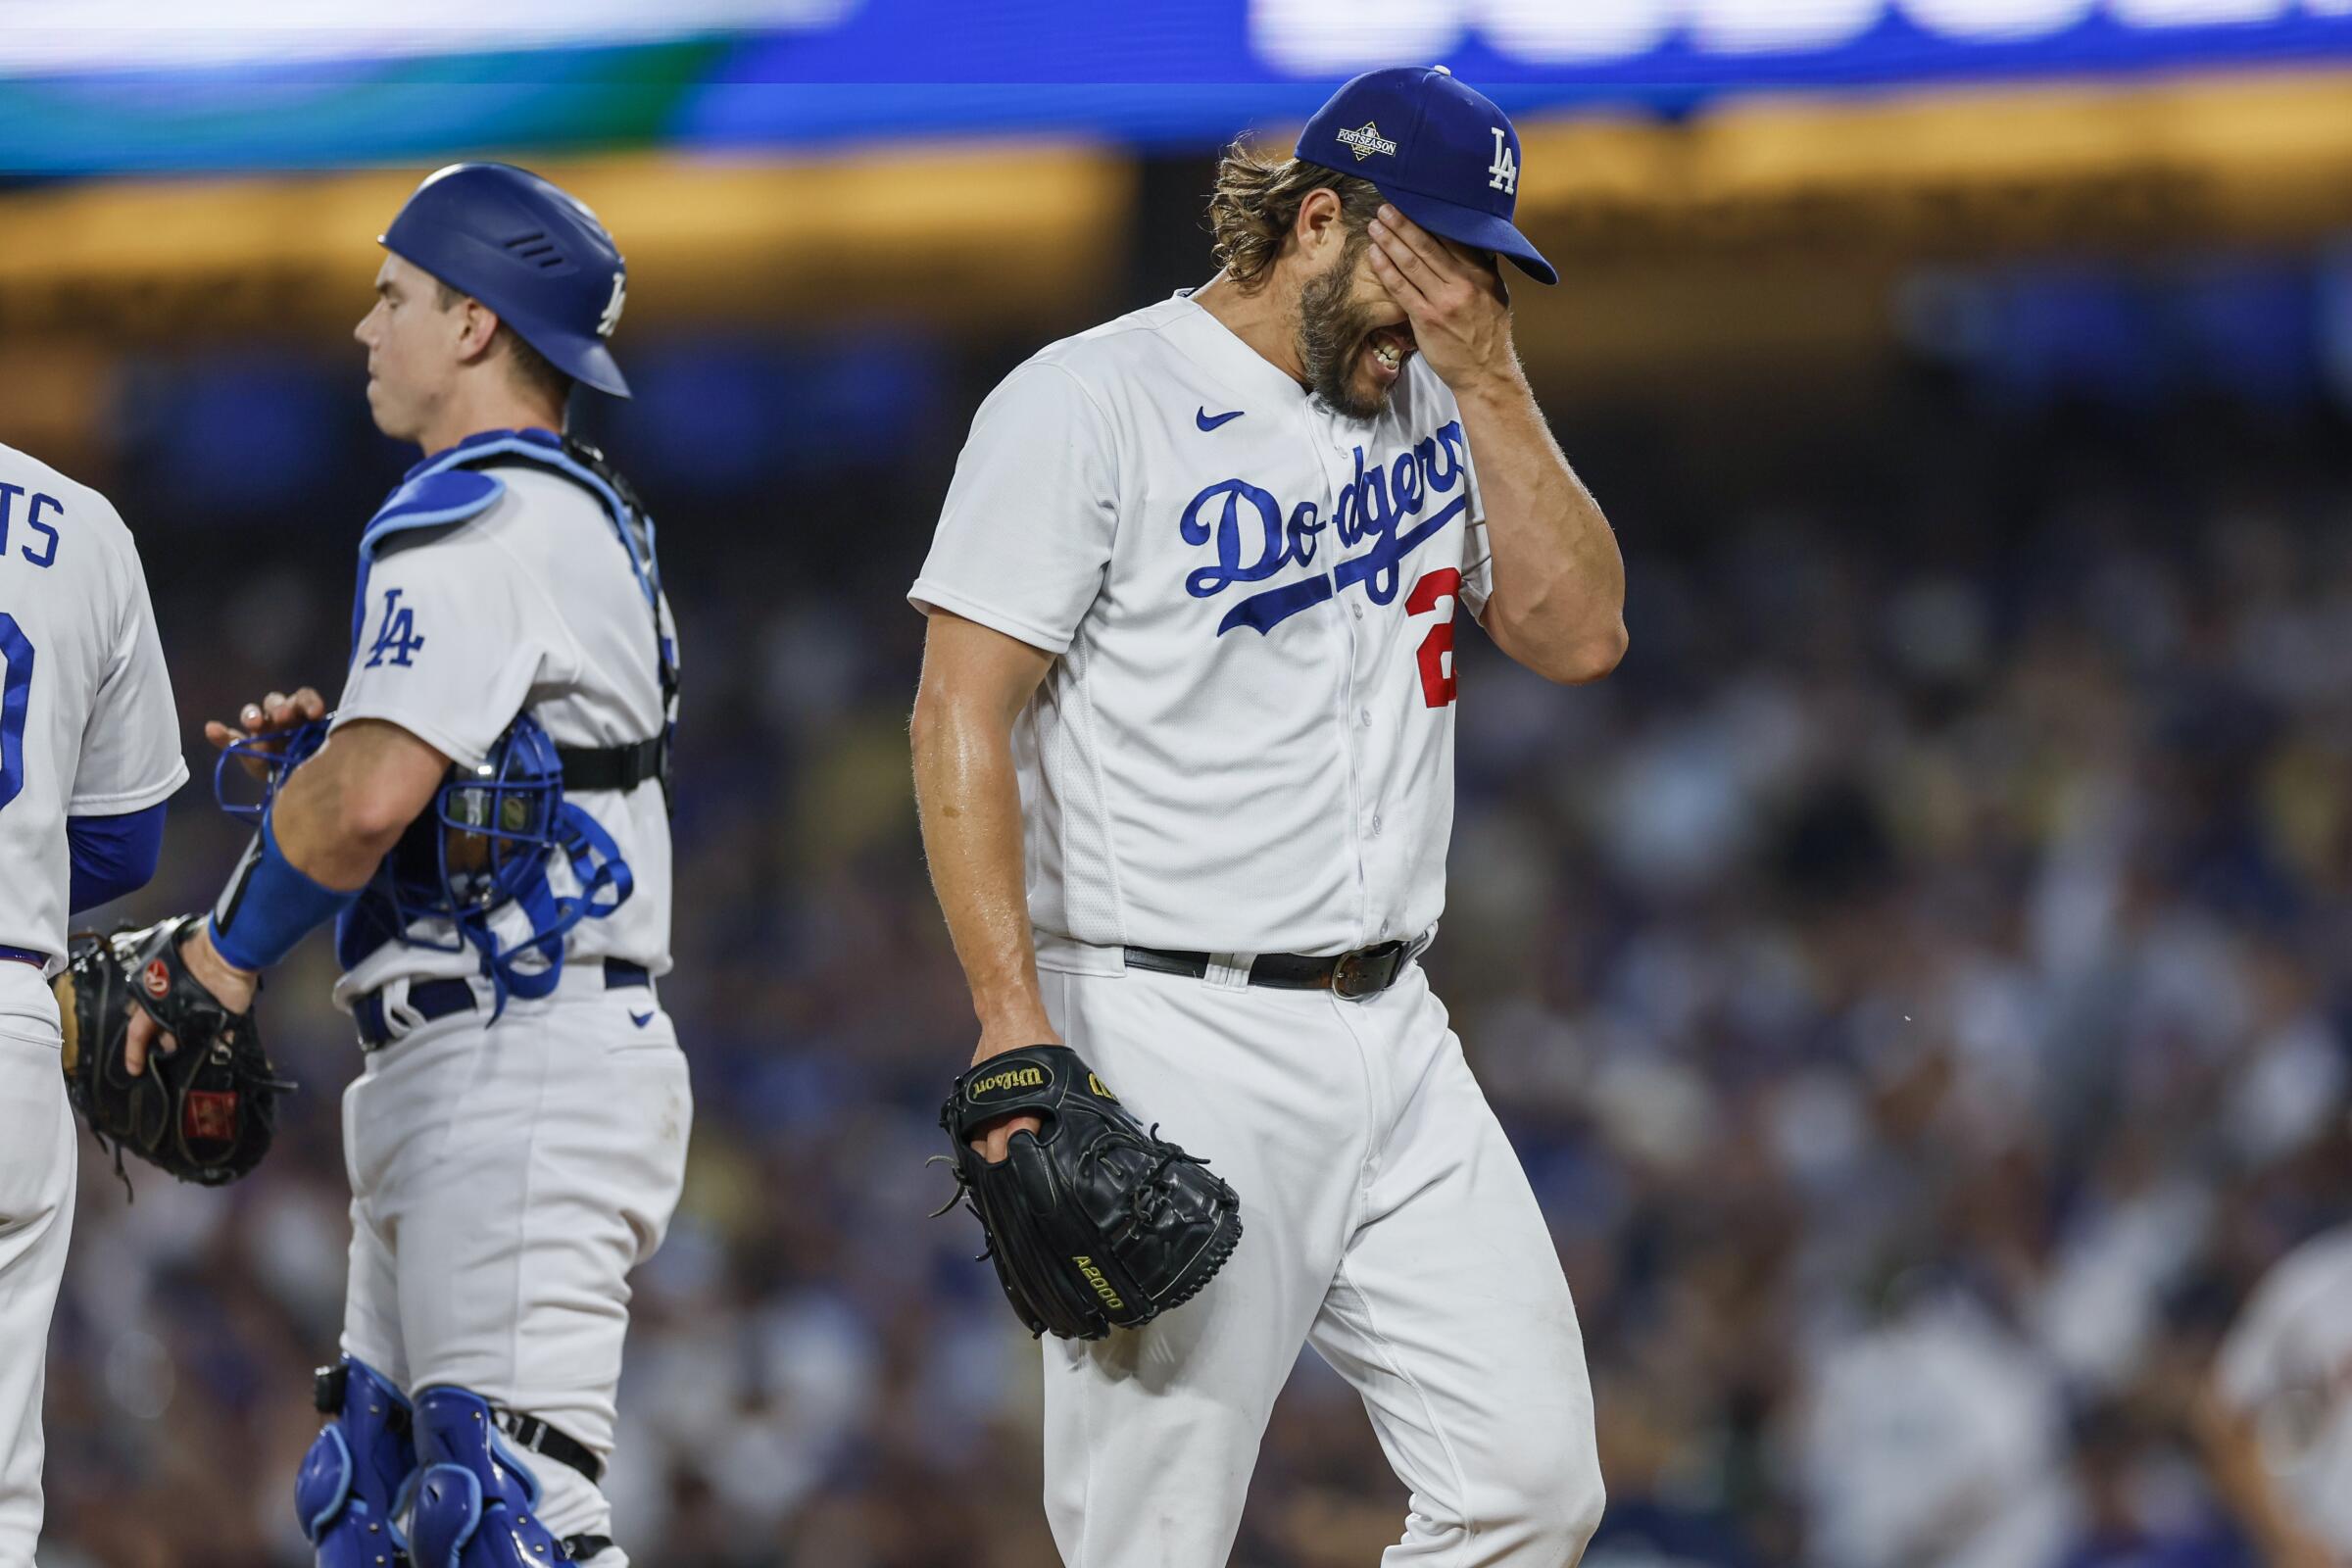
[
  {"x": 505, "y": 1181},
  {"x": 37, "y": 1173},
  {"x": 1387, "y": 1222}
]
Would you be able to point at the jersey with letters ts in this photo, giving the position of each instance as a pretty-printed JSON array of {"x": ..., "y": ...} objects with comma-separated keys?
[
  {"x": 87, "y": 724},
  {"x": 1245, "y": 744}
]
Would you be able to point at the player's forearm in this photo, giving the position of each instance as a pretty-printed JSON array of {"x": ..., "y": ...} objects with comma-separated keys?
[
  {"x": 334, "y": 821},
  {"x": 341, "y": 813},
  {"x": 331, "y": 824},
  {"x": 1558, "y": 600},
  {"x": 2233, "y": 1453},
  {"x": 969, "y": 799}
]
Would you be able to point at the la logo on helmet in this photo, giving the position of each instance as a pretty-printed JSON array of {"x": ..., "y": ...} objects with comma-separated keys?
[{"x": 606, "y": 323}]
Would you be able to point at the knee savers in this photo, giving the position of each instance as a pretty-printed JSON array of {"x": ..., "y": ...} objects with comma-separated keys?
[
  {"x": 352, "y": 1482},
  {"x": 476, "y": 1504}
]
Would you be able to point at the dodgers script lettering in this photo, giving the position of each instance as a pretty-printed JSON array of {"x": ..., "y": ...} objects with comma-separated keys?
[{"x": 1254, "y": 539}]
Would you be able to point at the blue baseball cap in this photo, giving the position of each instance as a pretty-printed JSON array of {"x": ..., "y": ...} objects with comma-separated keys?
[
  {"x": 529, "y": 250},
  {"x": 1437, "y": 148}
]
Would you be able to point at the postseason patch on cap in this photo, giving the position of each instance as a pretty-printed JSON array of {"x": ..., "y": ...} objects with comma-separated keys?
[{"x": 1366, "y": 140}]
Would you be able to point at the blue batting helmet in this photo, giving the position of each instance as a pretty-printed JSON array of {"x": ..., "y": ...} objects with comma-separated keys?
[{"x": 530, "y": 252}]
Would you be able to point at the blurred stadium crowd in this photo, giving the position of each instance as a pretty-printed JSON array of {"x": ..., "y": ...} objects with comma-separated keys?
[{"x": 1915, "y": 982}]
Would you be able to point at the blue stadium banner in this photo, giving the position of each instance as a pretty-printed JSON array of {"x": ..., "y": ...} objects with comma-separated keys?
[{"x": 88, "y": 85}]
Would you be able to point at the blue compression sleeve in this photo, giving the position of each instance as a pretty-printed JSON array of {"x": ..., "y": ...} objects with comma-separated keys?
[
  {"x": 270, "y": 904},
  {"x": 113, "y": 856}
]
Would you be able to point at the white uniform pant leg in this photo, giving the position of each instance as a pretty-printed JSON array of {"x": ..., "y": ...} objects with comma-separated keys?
[
  {"x": 1452, "y": 1317},
  {"x": 371, "y": 1288},
  {"x": 1151, "y": 1434},
  {"x": 37, "y": 1179},
  {"x": 514, "y": 1175}
]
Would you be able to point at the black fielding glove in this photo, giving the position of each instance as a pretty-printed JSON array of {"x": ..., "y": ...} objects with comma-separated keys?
[{"x": 1093, "y": 1222}]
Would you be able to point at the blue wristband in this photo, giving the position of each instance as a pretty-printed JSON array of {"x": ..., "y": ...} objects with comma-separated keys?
[{"x": 269, "y": 906}]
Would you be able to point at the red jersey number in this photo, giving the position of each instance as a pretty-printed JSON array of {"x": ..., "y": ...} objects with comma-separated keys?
[{"x": 1436, "y": 653}]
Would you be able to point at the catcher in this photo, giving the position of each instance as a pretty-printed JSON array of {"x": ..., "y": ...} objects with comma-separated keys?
[
  {"x": 89, "y": 752},
  {"x": 485, "y": 821}
]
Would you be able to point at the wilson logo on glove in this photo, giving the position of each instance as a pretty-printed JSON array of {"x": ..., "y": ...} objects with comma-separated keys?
[{"x": 1027, "y": 1078}]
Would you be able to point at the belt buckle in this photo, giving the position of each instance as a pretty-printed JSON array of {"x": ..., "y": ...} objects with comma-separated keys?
[{"x": 1351, "y": 974}]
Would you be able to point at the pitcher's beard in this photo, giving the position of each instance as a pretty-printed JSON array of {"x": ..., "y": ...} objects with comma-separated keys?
[{"x": 1331, "y": 329}]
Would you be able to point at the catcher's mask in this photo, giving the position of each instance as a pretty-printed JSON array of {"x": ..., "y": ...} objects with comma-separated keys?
[{"x": 483, "y": 859}]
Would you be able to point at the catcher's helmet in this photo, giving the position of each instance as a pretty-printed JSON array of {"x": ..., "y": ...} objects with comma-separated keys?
[{"x": 530, "y": 252}]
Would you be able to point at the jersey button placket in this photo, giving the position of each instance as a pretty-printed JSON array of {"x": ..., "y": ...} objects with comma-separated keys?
[{"x": 1336, "y": 448}]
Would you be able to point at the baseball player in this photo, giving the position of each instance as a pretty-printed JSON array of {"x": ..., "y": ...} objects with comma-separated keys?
[
  {"x": 516, "y": 1136},
  {"x": 1184, "y": 751},
  {"x": 2278, "y": 1419},
  {"x": 89, "y": 752}
]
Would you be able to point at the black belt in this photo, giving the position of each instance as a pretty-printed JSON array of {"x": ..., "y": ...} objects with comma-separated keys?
[
  {"x": 1365, "y": 972},
  {"x": 438, "y": 999},
  {"x": 611, "y": 767}
]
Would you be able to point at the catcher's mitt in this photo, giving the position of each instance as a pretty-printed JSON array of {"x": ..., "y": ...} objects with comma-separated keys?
[
  {"x": 1093, "y": 1223},
  {"x": 206, "y": 1111}
]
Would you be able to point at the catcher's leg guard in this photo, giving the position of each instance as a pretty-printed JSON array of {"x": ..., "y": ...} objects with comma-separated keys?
[
  {"x": 476, "y": 1504},
  {"x": 352, "y": 1482}
]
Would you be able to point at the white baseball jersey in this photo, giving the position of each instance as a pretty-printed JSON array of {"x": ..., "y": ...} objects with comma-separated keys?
[
  {"x": 2287, "y": 1364},
  {"x": 87, "y": 726},
  {"x": 1247, "y": 744},
  {"x": 530, "y": 604}
]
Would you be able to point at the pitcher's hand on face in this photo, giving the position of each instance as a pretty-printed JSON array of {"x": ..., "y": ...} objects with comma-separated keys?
[
  {"x": 1455, "y": 298},
  {"x": 272, "y": 714},
  {"x": 233, "y": 988},
  {"x": 998, "y": 1138}
]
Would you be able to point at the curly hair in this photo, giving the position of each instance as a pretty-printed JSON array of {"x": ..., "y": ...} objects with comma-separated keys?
[{"x": 1256, "y": 203}]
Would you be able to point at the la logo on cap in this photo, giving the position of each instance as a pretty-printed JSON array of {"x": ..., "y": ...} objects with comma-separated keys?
[{"x": 1366, "y": 140}]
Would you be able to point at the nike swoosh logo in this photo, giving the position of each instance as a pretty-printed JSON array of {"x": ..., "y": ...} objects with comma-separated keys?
[
  {"x": 641, "y": 1020},
  {"x": 1209, "y": 422}
]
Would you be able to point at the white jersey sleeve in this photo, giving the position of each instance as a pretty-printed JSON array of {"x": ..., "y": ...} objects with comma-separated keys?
[
  {"x": 130, "y": 758},
  {"x": 453, "y": 639},
  {"x": 1030, "y": 518}
]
